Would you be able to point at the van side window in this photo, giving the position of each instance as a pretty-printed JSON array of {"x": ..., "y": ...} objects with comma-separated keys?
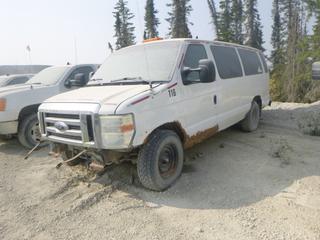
[
  {"x": 266, "y": 69},
  {"x": 251, "y": 62},
  {"x": 227, "y": 61},
  {"x": 194, "y": 54}
]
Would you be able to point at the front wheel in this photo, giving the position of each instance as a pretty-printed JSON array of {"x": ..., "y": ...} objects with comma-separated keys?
[
  {"x": 29, "y": 132},
  {"x": 160, "y": 160}
]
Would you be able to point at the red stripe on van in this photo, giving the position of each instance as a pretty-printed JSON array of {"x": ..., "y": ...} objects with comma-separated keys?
[
  {"x": 173, "y": 85},
  {"x": 140, "y": 100}
]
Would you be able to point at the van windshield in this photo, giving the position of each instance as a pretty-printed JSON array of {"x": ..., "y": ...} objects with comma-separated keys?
[
  {"x": 48, "y": 76},
  {"x": 146, "y": 62}
]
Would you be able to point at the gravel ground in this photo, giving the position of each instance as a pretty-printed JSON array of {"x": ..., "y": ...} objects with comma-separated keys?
[{"x": 261, "y": 185}]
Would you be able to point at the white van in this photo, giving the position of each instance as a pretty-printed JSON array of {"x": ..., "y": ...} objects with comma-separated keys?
[
  {"x": 19, "y": 103},
  {"x": 149, "y": 102}
]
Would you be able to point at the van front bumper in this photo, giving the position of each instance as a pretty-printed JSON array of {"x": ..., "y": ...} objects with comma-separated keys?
[{"x": 7, "y": 128}]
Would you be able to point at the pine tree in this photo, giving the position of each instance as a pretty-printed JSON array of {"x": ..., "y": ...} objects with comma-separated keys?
[
  {"x": 228, "y": 22},
  {"x": 179, "y": 19},
  {"x": 151, "y": 21},
  {"x": 225, "y": 21},
  {"x": 314, "y": 9},
  {"x": 124, "y": 29},
  {"x": 254, "y": 34},
  {"x": 276, "y": 39},
  {"x": 291, "y": 20},
  {"x": 314, "y": 48},
  {"x": 117, "y": 27},
  {"x": 291, "y": 75},
  {"x": 214, "y": 16},
  {"x": 237, "y": 21}
]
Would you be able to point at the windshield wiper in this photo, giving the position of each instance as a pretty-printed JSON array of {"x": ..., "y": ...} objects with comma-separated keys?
[
  {"x": 95, "y": 80},
  {"x": 36, "y": 83},
  {"x": 136, "y": 80},
  {"x": 127, "y": 79}
]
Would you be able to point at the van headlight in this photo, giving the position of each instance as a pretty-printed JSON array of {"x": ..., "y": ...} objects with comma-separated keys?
[{"x": 117, "y": 131}]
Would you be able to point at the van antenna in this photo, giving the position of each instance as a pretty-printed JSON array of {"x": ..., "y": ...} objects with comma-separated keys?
[
  {"x": 75, "y": 49},
  {"x": 110, "y": 47}
]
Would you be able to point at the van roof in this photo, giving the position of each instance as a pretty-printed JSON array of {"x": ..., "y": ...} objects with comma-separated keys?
[{"x": 190, "y": 40}]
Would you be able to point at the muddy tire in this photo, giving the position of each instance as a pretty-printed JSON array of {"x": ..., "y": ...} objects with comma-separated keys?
[
  {"x": 66, "y": 155},
  {"x": 252, "y": 119},
  {"x": 29, "y": 133},
  {"x": 160, "y": 160}
]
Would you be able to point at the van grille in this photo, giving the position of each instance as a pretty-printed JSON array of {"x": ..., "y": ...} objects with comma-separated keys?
[{"x": 73, "y": 128}]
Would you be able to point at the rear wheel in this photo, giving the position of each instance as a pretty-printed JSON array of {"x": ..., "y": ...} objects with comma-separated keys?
[
  {"x": 29, "y": 132},
  {"x": 252, "y": 119},
  {"x": 160, "y": 160}
]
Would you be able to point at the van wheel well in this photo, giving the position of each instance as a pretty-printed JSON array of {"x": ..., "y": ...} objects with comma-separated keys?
[
  {"x": 173, "y": 126},
  {"x": 27, "y": 111},
  {"x": 258, "y": 100}
]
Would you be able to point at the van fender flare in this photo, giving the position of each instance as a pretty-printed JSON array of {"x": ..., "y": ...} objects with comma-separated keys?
[{"x": 187, "y": 140}]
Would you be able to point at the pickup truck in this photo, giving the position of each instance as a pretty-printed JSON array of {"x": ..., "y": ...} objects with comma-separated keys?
[
  {"x": 149, "y": 102},
  {"x": 9, "y": 80},
  {"x": 19, "y": 104}
]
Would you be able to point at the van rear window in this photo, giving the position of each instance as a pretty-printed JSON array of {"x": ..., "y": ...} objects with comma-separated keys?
[
  {"x": 251, "y": 62},
  {"x": 264, "y": 62},
  {"x": 227, "y": 61}
]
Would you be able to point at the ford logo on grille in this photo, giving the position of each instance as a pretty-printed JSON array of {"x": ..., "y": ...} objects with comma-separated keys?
[{"x": 61, "y": 126}]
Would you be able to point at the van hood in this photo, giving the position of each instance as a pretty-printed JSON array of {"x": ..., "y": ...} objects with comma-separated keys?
[{"x": 113, "y": 95}]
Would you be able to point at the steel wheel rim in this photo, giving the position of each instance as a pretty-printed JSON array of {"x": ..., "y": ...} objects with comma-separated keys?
[
  {"x": 168, "y": 161},
  {"x": 35, "y": 132}
]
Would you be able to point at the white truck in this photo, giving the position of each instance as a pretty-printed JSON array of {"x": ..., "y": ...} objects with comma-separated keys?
[
  {"x": 149, "y": 102},
  {"x": 19, "y": 104}
]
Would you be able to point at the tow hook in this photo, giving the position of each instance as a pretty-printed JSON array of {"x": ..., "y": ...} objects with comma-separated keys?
[{"x": 71, "y": 159}]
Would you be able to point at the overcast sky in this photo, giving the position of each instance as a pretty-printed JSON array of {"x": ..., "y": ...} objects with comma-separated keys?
[{"x": 52, "y": 27}]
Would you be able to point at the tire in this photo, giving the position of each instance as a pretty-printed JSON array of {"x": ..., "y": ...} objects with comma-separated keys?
[
  {"x": 252, "y": 119},
  {"x": 66, "y": 155},
  {"x": 29, "y": 133},
  {"x": 160, "y": 160}
]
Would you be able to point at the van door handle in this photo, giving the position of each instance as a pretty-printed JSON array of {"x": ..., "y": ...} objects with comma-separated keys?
[{"x": 215, "y": 99}]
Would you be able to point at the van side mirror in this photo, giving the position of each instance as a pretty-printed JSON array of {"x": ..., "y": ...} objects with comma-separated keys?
[
  {"x": 316, "y": 71},
  {"x": 78, "y": 81},
  {"x": 206, "y": 71},
  {"x": 91, "y": 75}
]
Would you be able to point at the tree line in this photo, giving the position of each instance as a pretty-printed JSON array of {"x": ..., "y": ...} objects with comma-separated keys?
[
  {"x": 238, "y": 21},
  {"x": 294, "y": 50}
]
